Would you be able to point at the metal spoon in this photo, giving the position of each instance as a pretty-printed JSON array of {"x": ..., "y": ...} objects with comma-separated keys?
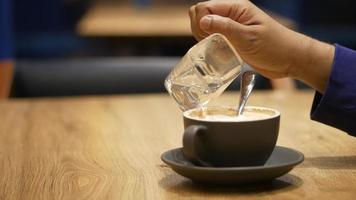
[{"x": 246, "y": 85}]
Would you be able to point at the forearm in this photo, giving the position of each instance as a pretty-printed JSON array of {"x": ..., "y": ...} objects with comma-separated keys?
[{"x": 312, "y": 62}]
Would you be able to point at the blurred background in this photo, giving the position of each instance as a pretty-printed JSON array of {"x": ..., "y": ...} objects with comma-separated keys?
[{"x": 92, "y": 47}]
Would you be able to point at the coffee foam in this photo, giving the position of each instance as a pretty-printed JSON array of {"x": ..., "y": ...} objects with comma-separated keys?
[{"x": 226, "y": 114}]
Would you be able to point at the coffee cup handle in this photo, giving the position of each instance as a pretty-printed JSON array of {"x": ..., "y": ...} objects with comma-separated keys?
[{"x": 189, "y": 138}]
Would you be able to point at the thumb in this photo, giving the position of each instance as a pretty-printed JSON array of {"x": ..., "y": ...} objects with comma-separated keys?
[{"x": 223, "y": 25}]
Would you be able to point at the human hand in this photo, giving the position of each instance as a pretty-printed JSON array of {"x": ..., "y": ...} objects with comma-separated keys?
[{"x": 272, "y": 49}]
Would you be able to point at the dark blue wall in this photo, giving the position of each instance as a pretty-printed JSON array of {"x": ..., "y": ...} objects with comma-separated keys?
[{"x": 5, "y": 29}]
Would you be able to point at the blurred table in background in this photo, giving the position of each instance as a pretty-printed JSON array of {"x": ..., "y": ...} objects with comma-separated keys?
[
  {"x": 135, "y": 24},
  {"x": 110, "y": 147},
  {"x": 117, "y": 20}
]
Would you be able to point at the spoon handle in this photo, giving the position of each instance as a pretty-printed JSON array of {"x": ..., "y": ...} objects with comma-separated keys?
[{"x": 248, "y": 79}]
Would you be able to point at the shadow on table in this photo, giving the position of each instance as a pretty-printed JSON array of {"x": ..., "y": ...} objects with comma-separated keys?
[
  {"x": 178, "y": 184},
  {"x": 330, "y": 162}
]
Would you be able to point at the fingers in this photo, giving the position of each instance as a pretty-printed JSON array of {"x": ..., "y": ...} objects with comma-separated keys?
[
  {"x": 194, "y": 24},
  {"x": 224, "y": 25},
  {"x": 201, "y": 10},
  {"x": 222, "y": 8},
  {"x": 196, "y": 12}
]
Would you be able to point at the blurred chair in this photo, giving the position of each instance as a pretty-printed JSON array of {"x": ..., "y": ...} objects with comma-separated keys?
[{"x": 93, "y": 76}]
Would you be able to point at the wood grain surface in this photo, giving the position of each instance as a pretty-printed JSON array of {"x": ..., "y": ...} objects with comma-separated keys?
[{"x": 109, "y": 148}]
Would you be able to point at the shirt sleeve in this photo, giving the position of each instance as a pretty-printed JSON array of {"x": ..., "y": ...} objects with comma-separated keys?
[{"x": 337, "y": 106}]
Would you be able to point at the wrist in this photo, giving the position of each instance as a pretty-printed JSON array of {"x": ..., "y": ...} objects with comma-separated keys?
[
  {"x": 313, "y": 62},
  {"x": 322, "y": 64},
  {"x": 299, "y": 56}
]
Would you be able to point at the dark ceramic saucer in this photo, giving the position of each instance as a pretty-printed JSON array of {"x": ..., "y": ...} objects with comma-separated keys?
[{"x": 281, "y": 161}]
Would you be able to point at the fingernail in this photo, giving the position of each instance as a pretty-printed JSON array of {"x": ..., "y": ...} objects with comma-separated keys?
[{"x": 205, "y": 22}]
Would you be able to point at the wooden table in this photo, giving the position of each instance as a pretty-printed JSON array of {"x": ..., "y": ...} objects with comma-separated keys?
[
  {"x": 110, "y": 147},
  {"x": 123, "y": 20}
]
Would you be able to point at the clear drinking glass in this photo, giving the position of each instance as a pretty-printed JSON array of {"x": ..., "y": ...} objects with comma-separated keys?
[{"x": 204, "y": 72}]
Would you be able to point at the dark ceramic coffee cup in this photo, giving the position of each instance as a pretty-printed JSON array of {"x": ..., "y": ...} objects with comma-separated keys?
[{"x": 225, "y": 143}]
